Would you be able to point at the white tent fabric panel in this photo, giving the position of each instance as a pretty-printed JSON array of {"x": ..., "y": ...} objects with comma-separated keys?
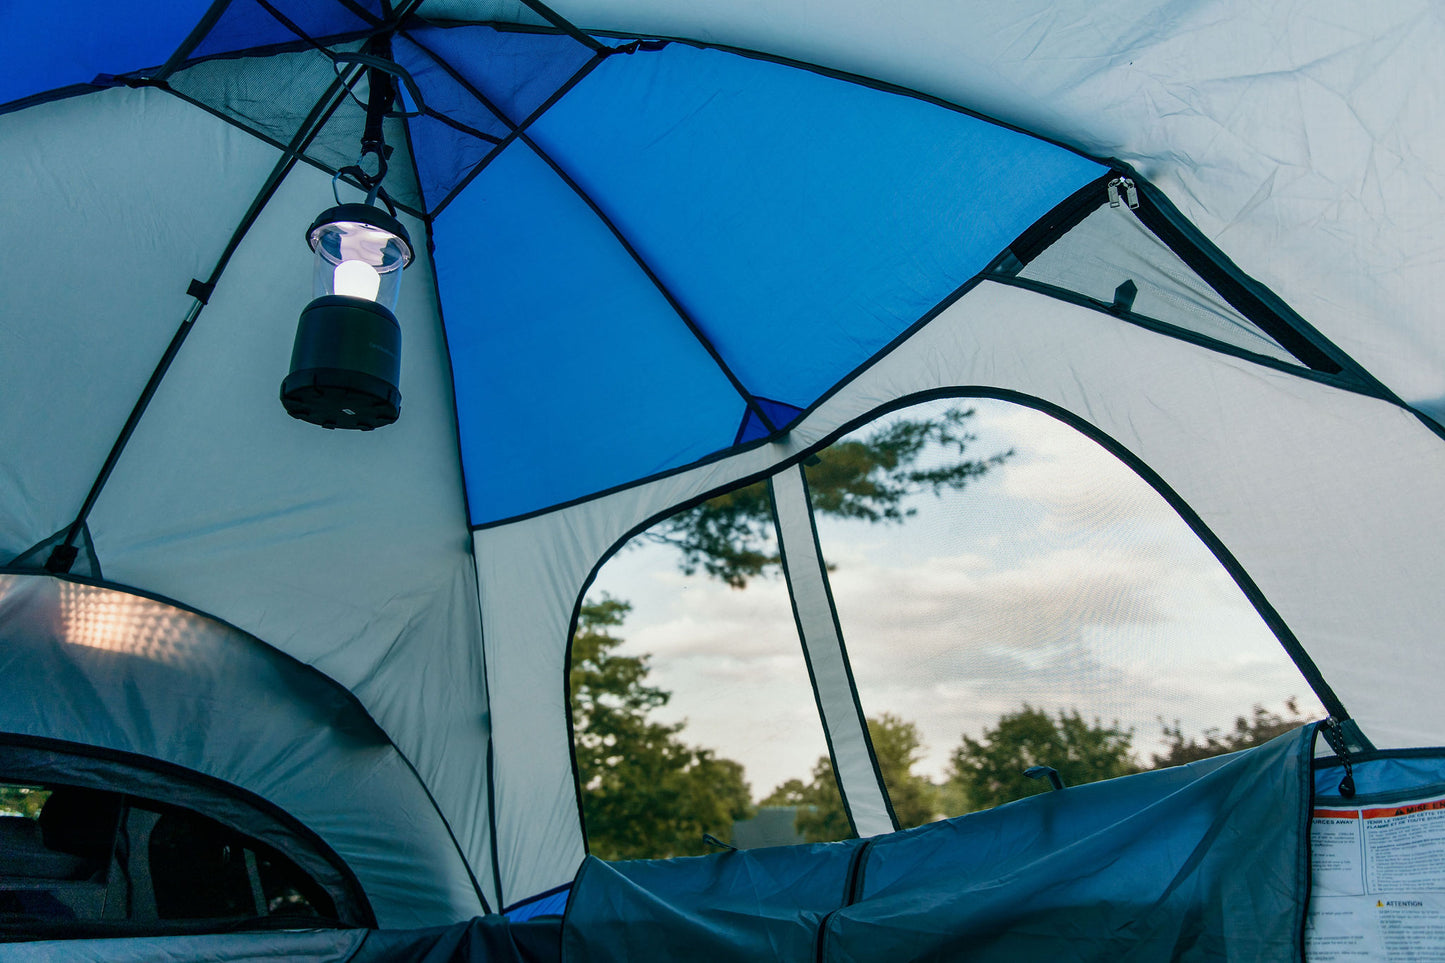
[
  {"x": 99, "y": 667},
  {"x": 349, "y": 551},
  {"x": 1280, "y": 467},
  {"x": 1303, "y": 139},
  {"x": 859, "y": 780},
  {"x": 99, "y": 159},
  {"x": 1112, "y": 246}
]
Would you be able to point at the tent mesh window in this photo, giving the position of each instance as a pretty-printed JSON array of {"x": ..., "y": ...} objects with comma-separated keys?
[
  {"x": 65, "y": 852},
  {"x": 1112, "y": 248},
  {"x": 1053, "y": 611},
  {"x": 273, "y": 97},
  {"x": 691, "y": 703}
]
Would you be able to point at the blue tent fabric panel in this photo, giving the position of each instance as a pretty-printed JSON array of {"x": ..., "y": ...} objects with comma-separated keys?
[
  {"x": 744, "y": 906},
  {"x": 805, "y": 221},
  {"x": 1206, "y": 861},
  {"x": 753, "y": 427},
  {"x": 485, "y": 939},
  {"x": 444, "y": 156},
  {"x": 247, "y": 24},
  {"x": 549, "y": 904},
  {"x": 526, "y": 270},
  {"x": 1419, "y": 770},
  {"x": 443, "y": 93},
  {"x": 517, "y": 71},
  {"x": 43, "y": 52}
]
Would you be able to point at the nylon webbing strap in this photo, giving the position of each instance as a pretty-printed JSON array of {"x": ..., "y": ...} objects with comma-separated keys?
[{"x": 864, "y": 795}]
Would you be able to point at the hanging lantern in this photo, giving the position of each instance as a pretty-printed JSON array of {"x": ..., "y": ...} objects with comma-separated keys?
[{"x": 346, "y": 363}]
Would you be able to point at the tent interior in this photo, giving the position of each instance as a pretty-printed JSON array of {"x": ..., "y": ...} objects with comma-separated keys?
[{"x": 771, "y": 411}]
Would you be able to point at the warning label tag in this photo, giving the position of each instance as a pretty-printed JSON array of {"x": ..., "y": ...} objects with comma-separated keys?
[{"x": 1379, "y": 883}]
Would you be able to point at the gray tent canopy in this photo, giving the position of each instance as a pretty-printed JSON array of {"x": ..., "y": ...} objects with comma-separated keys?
[{"x": 660, "y": 253}]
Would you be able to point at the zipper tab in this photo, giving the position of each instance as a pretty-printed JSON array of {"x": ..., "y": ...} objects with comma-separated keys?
[
  {"x": 1131, "y": 194},
  {"x": 1334, "y": 734}
]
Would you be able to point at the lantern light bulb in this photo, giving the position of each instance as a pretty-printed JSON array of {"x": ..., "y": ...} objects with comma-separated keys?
[{"x": 357, "y": 279}]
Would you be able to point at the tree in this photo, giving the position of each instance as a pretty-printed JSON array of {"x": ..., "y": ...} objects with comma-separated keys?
[
  {"x": 990, "y": 771},
  {"x": 897, "y": 746},
  {"x": 644, "y": 791},
  {"x": 731, "y": 536},
  {"x": 1253, "y": 730},
  {"x": 22, "y": 800}
]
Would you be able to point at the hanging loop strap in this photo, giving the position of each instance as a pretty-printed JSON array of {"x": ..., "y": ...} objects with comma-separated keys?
[{"x": 1335, "y": 736}]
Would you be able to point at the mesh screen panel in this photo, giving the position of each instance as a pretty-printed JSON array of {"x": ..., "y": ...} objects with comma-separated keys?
[
  {"x": 273, "y": 95},
  {"x": 731, "y": 663},
  {"x": 1058, "y": 582},
  {"x": 1112, "y": 246}
]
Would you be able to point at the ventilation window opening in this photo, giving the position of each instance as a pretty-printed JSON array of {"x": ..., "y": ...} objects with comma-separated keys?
[
  {"x": 1115, "y": 261},
  {"x": 1053, "y": 611},
  {"x": 76, "y": 856},
  {"x": 691, "y": 704}
]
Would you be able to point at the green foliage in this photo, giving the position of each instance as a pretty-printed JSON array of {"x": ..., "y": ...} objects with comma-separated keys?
[
  {"x": 990, "y": 771},
  {"x": 820, "y": 807},
  {"x": 731, "y": 537},
  {"x": 22, "y": 800},
  {"x": 1253, "y": 730},
  {"x": 644, "y": 791}
]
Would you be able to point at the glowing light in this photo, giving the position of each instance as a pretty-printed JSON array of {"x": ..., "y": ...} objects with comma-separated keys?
[
  {"x": 99, "y": 618},
  {"x": 357, "y": 279}
]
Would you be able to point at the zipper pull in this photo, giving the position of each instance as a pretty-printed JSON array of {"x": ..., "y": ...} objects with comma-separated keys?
[
  {"x": 1335, "y": 735},
  {"x": 1131, "y": 194}
]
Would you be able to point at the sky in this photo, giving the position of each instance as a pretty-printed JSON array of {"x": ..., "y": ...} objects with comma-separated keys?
[{"x": 1060, "y": 580}]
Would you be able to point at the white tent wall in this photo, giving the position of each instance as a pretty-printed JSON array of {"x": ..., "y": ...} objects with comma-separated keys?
[
  {"x": 95, "y": 666},
  {"x": 191, "y": 176},
  {"x": 865, "y": 797},
  {"x": 1324, "y": 497},
  {"x": 357, "y": 559},
  {"x": 1302, "y": 137}
]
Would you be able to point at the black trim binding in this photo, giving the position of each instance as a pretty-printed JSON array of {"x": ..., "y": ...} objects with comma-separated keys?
[
  {"x": 567, "y": 695},
  {"x": 312, "y": 125},
  {"x": 1270, "y": 616},
  {"x": 682, "y": 313},
  {"x": 276, "y": 144},
  {"x": 538, "y": 897},
  {"x": 199, "y": 32},
  {"x": 1247, "y": 296},
  {"x": 1292, "y": 646},
  {"x": 297, "y": 664},
  {"x": 726, "y": 453},
  {"x": 516, "y": 128},
  {"x": 842, "y": 650},
  {"x": 653, "y": 42},
  {"x": 1065, "y": 216},
  {"x": 1350, "y": 377},
  {"x": 812, "y": 676},
  {"x": 1340, "y": 381},
  {"x": 562, "y": 24},
  {"x": 471, "y": 543},
  {"x": 58, "y": 93},
  {"x": 1372, "y": 754},
  {"x": 518, "y": 132},
  {"x": 852, "y": 893}
]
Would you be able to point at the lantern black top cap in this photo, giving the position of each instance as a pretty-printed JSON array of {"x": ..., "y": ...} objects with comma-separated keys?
[{"x": 363, "y": 214}]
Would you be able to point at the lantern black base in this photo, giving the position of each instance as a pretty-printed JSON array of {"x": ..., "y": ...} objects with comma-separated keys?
[
  {"x": 344, "y": 366},
  {"x": 333, "y": 398}
]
